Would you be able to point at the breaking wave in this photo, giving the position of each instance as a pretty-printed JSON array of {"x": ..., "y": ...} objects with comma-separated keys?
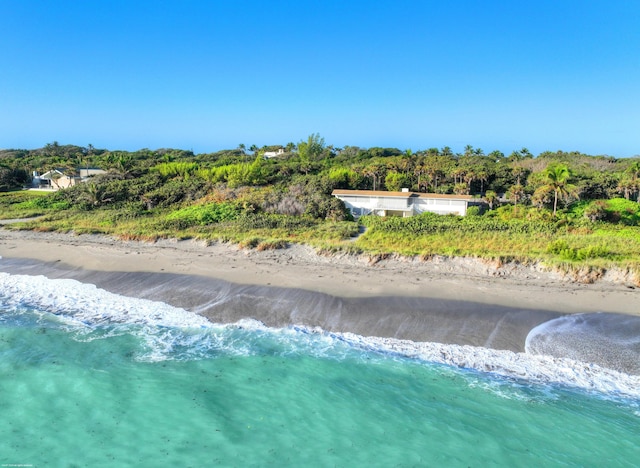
[{"x": 170, "y": 333}]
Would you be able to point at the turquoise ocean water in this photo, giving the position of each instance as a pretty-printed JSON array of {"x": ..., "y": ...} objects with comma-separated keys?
[{"x": 89, "y": 378}]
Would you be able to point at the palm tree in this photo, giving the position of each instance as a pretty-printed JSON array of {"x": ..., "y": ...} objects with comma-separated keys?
[
  {"x": 470, "y": 176},
  {"x": 419, "y": 170},
  {"x": 491, "y": 198},
  {"x": 406, "y": 165},
  {"x": 633, "y": 172},
  {"x": 87, "y": 154},
  {"x": 120, "y": 162},
  {"x": 447, "y": 152},
  {"x": 461, "y": 188},
  {"x": 557, "y": 180},
  {"x": 95, "y": 194},
  {"x": 437, "y": 166},
  {"x": 483, "y": 176},
  {"x": 458, "y": 173},
  {"x": 373, "y": 171},
  {"x": 525, "y": 153},
  {"x": 468, "y": 150},
  {"x": 52, "y": 149},
  {"x": 518, "y": 171},
  {"x": 626, "y": 186},
  {"x": 515, "y": 193}
]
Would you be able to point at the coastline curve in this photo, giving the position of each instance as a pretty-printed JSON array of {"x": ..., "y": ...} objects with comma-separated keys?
[{"x": 606, "y": 339}]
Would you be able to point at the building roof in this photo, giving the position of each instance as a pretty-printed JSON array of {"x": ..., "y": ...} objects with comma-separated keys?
[
  {"x": 382, "y": 193},
  {"x": 51, "y": 173},
  {"x": 371, "y": 193},
  {"x": 445, "y": 196}
]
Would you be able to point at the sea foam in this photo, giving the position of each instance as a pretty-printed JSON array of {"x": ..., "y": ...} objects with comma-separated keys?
[
  {"x": 88, "y": 304},
  {"x": 611, "y": 340},
  {"x": 174, "y": 333}
]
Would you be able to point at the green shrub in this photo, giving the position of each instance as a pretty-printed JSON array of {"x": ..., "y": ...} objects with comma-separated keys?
[
  {"x": 596, "y": 211},
  {"x": 176, "y": 191},
  {"x": 561, "y": 248},
  {"x": 592, "y": 251},
  {"x": 176, "y": 169},
  {"x": 250, "y": 221},
  {"x": 474, "y": 211},
  {"x": 431, "y": 223},
  {"x": 203, "y": 214},
  {"x": 344, "y": 178},
  {"x": 45, "y": 203},
  {"x": 623, "y": 211}
]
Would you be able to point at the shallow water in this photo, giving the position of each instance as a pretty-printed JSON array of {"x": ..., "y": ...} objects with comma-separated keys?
[{"x": 88, "y": 378}]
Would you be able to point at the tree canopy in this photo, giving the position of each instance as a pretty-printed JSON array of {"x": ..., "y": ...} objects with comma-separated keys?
[{"x": 546, "y": 180}]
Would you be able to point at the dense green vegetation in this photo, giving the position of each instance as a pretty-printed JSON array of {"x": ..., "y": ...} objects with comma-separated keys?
[{"x": 567, "y": 209}]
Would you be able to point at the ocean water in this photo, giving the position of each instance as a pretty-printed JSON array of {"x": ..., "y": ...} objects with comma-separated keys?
[{"x": 89, "y": 378}]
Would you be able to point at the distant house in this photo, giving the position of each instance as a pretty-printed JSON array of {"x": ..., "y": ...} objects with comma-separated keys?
[
  {"x": 405, "y": 203},
  {"x": 56, "y": 179},
  {"x": 273, "y": 154}
]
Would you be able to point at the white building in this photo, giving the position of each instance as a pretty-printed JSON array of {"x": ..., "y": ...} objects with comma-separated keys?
[
  {"x": 273, "y": 154},
  {"x": 405, "y": 203},
  {"x": 56, "y": 179}
]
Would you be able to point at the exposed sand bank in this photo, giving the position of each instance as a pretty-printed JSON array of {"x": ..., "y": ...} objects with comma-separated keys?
[
  {"x": 458, "y": 301},
  {"x": 345, "y": 276}
]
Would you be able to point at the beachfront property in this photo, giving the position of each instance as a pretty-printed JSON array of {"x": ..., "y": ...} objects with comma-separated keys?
[
  {"x": 56, "y": 179},
  {"x": 404, "y": 203}
]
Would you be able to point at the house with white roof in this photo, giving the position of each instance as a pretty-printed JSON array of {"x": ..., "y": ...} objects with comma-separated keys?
[
  {"x": 405, "y": 203},
  {"x": 273, "y": 154}
]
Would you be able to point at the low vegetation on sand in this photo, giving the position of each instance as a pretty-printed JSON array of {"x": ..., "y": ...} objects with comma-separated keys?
[{"x": 566, "y": 210}]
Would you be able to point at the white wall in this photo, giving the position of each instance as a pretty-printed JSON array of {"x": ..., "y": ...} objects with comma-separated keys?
[
  {"x": 363, "y": 205},
  {"x": 440, "y": 206}
]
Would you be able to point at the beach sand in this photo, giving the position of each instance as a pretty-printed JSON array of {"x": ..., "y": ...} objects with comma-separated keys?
[{"x": 458, "y": 301}]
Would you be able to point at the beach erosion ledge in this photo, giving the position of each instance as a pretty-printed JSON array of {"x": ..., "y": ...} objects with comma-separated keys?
[{"x": 402, "y": 301}]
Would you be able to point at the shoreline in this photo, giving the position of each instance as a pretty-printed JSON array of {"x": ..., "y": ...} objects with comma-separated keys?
[
  {"x": 452, "y": 301},
  {"x": 341, "y": 275}
]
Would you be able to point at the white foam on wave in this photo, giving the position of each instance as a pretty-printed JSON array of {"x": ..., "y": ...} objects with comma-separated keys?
[
  {"x": 174, "y": 333},
  {"x": 90, "y": 305},
  {"x": 610, "y": 340},
  {"x": 93, "y": 313},
  {"x": 522, "y": 366}
]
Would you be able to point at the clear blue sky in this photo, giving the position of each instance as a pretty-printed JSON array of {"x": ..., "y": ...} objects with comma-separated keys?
[{"x": 208, "y": 75}]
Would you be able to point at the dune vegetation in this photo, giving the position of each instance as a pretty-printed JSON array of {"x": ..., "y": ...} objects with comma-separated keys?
[{"x": 566, "y": 210}]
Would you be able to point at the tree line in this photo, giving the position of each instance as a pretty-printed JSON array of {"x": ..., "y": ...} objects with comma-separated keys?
[{"x": 312, "y": 168}]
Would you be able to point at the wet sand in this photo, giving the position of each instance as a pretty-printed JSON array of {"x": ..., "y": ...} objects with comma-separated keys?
[{"x": 457, "y": 301}]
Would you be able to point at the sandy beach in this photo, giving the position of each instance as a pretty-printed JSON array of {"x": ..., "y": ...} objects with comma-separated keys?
[{"x": 460, "y": 301}]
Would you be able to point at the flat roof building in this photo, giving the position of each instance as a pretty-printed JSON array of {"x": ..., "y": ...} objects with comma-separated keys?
[{"x": 404, "y": 203}]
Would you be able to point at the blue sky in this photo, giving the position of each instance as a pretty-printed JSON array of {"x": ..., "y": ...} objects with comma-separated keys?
[{"x": 208, "y": 75}]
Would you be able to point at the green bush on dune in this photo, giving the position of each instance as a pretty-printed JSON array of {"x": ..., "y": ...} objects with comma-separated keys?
[{"x": 203, "y": 214}]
